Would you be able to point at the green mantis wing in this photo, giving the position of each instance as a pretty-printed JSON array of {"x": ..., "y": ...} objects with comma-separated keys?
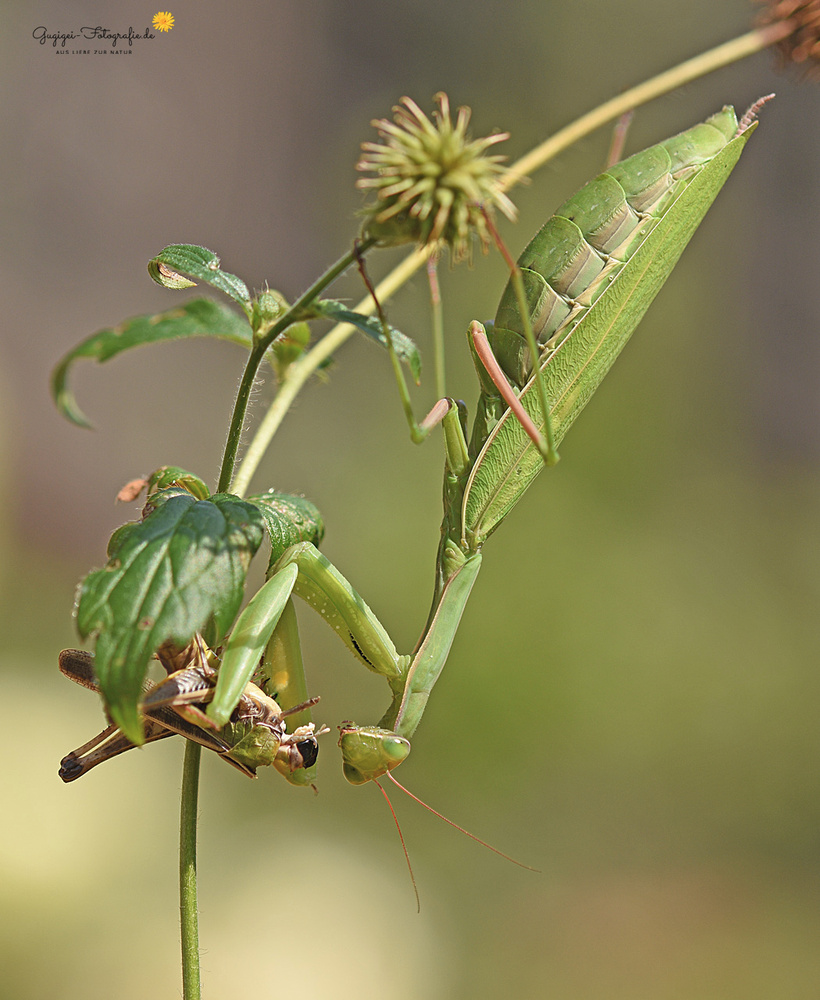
[{"x": 591, "y": 273}]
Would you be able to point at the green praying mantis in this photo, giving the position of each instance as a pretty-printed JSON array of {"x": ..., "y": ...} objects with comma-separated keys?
[{"x": 588, "y": 275}]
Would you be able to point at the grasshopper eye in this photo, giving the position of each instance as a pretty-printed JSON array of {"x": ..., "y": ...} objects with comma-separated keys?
[{"x": 307, "y": 751}]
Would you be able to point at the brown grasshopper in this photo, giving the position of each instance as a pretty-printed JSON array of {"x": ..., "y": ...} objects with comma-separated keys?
[{"x": 256, "y": 734}]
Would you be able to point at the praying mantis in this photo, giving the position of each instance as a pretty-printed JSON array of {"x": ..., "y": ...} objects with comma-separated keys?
[{"x": 588, "y": 276}]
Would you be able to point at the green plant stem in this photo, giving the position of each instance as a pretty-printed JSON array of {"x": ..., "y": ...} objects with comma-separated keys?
[
  {"x": 300, "y": 371},
  {"x": 438, "y": 327},
  {"x": 691, "y": 69},
  {"x": 240, "y": 409},
  {"x": 188, "y": 913},
  {"x": 260, "y": 347}
]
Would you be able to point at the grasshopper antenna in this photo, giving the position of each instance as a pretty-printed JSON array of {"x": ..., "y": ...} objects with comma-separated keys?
[{"x": 467, "y": 833}]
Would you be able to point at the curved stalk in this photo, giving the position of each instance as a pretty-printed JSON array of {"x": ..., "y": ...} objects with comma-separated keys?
[{"x": 685, "y": 72}]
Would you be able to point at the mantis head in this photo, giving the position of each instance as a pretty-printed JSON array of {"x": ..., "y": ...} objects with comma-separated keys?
[{"x": 369, "y": 752}]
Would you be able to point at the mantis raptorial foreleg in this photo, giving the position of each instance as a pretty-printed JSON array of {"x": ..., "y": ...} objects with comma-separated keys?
[
  {"x": 313, "y": 577},
  {"x": 303, "y": 570}
]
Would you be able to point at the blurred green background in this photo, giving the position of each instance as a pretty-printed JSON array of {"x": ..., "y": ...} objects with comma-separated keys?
[{"x": 631, "y": 702}]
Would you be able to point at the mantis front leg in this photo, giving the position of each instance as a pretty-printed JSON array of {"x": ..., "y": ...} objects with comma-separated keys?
[
  {"x": 268, "y": 626},
  {"x": 370, "y": 751},
  {"x": 303, "y": 570}
]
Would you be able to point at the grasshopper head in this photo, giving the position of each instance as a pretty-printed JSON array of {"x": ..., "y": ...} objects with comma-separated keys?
[{"x": 297, "y": 754}]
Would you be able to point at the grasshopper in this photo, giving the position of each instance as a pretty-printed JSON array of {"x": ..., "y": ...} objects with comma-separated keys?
[{"x": 256, "y": 734}]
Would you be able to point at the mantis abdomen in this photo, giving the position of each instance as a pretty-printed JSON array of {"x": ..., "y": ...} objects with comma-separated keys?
[
  {"x": 579, "y": 252},
  {"x": 589, "y": 275}
]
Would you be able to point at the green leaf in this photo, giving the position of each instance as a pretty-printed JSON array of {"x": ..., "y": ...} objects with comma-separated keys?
[
  {"x": 198, "y": 318},
  {"x": 175, "y": 263},
  {"x": 168, "y": 577},
  {"x": 371, "y": 325},
  {"x": 173, "y": 475},
  {"x": 288, "y": 521}
]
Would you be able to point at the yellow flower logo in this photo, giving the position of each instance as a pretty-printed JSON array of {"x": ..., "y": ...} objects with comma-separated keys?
[{"x": 163, "y": 20}]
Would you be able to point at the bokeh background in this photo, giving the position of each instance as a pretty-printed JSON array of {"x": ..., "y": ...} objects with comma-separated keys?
[{"x": 631, "y": 703}]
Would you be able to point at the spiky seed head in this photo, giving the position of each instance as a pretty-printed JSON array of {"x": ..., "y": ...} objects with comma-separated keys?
[{"x": 432, "y": 182}]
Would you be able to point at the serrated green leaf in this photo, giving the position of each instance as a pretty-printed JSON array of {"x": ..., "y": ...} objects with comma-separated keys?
[
  {"x": 182, "y": 567},
  {"x": 198, "y": 318},
  {"x": 406, "y": 349},
  {"x": 288, "y": 520},
  {"x": 173, "y": 265}
]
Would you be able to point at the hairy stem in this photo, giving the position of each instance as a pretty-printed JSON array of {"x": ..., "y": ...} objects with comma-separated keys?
[
  {"x": 240, "y": 409},
  {"x": 188, "y": 913},
  {"x": 260, "y": 347}
]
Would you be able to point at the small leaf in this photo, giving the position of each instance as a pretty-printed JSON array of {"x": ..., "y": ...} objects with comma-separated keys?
[
  {"x": 173, "y": 475},
  {"x": 163, "y": 275},
  {"x": 198, "y": 318},
  {"x": 176, "y": 263},
  {"x": 371, "y": 325},
  {"x": 170, "y": 575},
  {"x": 288, "y": 521}
]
